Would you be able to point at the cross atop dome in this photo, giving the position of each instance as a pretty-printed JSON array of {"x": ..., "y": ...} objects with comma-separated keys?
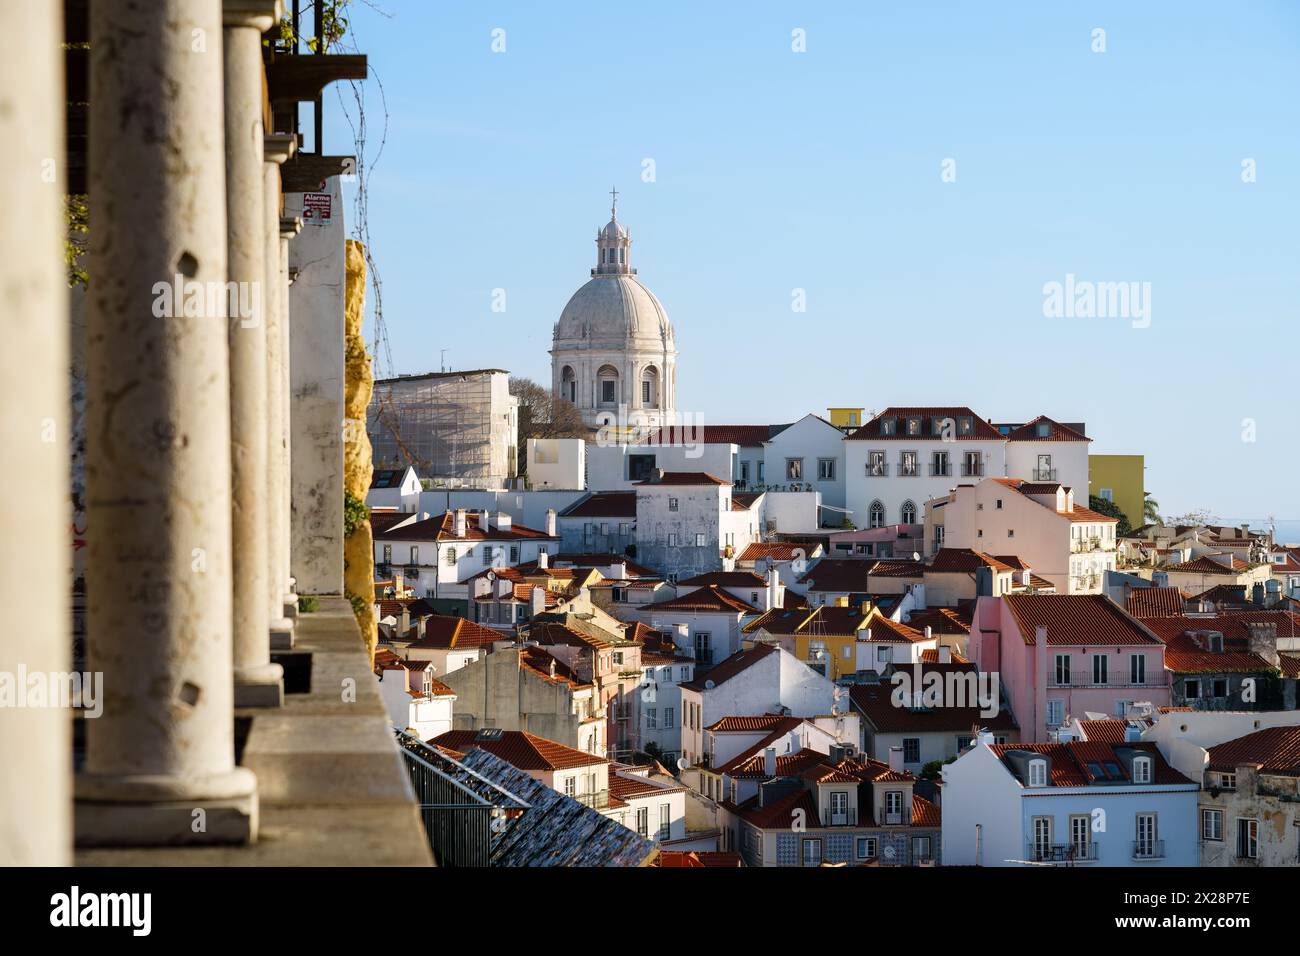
[{"x": 613, "y": 245}]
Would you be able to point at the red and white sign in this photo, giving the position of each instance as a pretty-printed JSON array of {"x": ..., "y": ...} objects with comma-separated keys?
[{"x": 316, "y": 209}]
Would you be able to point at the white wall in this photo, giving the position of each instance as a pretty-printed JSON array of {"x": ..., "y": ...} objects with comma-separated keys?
[
  {"x": 557, "y": 463},
  {"x": 893, "y": 489},
  {"x": 1069, "y": 461},
  {"x": 607, "y": 465},
  {"x": 810, "y": 439}
]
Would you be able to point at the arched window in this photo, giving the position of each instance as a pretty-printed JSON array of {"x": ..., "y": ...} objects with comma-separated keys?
[
  {"x": 909, "y": 512},
  {"x": 607, "y": 385},
  {"x": 877, "y": 519},
  {"x": 569, "y": 385},
  {"x": 650, "y": 387}
]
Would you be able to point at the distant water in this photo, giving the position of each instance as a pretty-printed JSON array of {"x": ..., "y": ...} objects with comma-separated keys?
[{"x": 1287, "y": 532}]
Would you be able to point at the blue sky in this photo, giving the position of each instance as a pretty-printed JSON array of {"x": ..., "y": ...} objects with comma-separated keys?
[{"x": 820, "y": 170}]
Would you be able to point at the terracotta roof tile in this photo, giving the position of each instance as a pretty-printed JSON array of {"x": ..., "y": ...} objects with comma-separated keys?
[
  {"x": 875, "y": 702},
  {"x": 1275, "y": 749},
  {"x": 1070, "y": 762},
  {"x": 964, "y": 561},
  {"x": 1091, "y": 619},
  {"x": 519, "y": 748},
  {"x": 603, "y": 504},
  {"x": 980, "y": 429},
  {"x": 685, "y": 478},
  {"x": 1155, "y": 602},
  {"x": 711, "y": 598},
  {"x": 1057, "y": 432}
]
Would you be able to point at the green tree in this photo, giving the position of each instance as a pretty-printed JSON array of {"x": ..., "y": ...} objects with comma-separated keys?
[
  {"x": 1111, "y": 510},
  {"x": 1151, "y": 509},
  {"x": 543, "y": 415}
]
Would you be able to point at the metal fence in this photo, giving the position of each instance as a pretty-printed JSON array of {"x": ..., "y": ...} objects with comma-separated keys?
[{"x": 457, "y": 821}]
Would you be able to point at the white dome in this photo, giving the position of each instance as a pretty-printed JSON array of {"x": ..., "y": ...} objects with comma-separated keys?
[
  {"x": 611, "y": 310},
  {"x": 614, "y": 230}
]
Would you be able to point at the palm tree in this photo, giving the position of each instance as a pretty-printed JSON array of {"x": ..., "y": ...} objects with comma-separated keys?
[{"x": 1151, "y": 509}]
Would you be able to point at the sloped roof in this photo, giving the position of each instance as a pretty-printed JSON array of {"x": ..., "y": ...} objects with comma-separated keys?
[
  {"x": 442, "y": 528},
  {"x": 1058, "y": 432},
  {"x": 737, "y": 663},
  {"x": 980, "y": 429},
  {"x": 443, "y": 632},
  {"x": 964, "y": 561},
  {"x": 775, "y": 550},
  {"x": 875, "y": 702},
  {"x": 1275, "y": 749},
  {"x": 711, "y": 598},
  {"x": 725, "y": 579},
  {"x": 603, "y": 504},
  {"x": 685, "y": 478},
  {"x": 1069, "y": 762},
  {"x": 519, "y": 748},
  {"x": 1091, "y": 619},
  {"x": 1155, "y": 602}
]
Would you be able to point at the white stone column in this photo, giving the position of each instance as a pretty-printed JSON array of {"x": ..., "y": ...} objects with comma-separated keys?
[
  {"x": 160, "y": 764},
  {"x": 258, "y": 682},
  {"x": 290, "y": 226},
  {"x": 35, "y": 511},
  {"x": 316, "y": 346},
  {"x": 277, "y": 148}
]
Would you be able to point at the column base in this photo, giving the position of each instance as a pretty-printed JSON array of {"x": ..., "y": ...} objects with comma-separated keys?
[
  {"x": 164, "y": 811},
  {"x": 291, "y": 606},
  {"x": 261, "y": 686},
  {"x": 282, "y": 635}
]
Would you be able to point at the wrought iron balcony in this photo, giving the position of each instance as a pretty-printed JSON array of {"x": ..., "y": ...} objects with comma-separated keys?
[
  {"x": 847, "y": 817},
  {"x": 877, "y": 469},
  {"x": 1044, "y": 474},
  {"x": 1061, "y": 852},
  {"x": 1149, "y": 849},
  {"x": 972, "y": 469},
  {"x": 941, "y": 469}
]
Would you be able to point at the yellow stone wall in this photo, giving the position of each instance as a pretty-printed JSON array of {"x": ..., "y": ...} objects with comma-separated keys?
[{"x": 358, "y": 548}]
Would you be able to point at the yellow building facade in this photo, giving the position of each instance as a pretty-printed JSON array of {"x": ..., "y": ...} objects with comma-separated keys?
[{"x": 1121, "y": 479}]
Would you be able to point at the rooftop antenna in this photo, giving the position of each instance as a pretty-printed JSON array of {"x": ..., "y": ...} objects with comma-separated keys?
[{"x": 442, "y": 361}]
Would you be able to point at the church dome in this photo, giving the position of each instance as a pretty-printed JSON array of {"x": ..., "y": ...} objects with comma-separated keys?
[{"x": 611, "y": 310}]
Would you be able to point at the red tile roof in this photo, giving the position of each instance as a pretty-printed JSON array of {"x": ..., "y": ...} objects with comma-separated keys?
[
  {"x": 1207, "y": 565},
  {"x": 630, "y": 786},
  {"x": 897, "y": 569},
  {"x": 819, "y": 621},
  {"x": 737, "y": 663},
  {"x": 725, "y": 579},
  {"x": 1185, "y": 655},
  {"x": 519, "y": 748},
  {"x": 930, "y": 655},
  {"x": 748, "y": 436},
  {"x": 766, "y": 722},
  {"x": 875, "y": 702},
  {"x": 603, "y": 504},
  {"x": 1275, "y": 749},
  {"x": 1058, "y": 432},
  {"x": 964, "y": 561},
  {"x": 838, "y": 574},
  {"x": 891, "y": 632},
  {"x": 940, "y": 620},
  {"x": 444, "y": 633},
  {"x": 1090, "y": 619},
  {"x": 1070, "y": 762},
  {"x": 750, "y": 764},
  {"x": 711, "y": 598},
  {"x": 685, "y": 478},
  {"x": 980, "y": 429},
  {"x": 1110, "y": 730},
  {"x": 1155, "y": 602},
  {"x": 776, "y": 550},
  {"x": 442, "y": 528}
]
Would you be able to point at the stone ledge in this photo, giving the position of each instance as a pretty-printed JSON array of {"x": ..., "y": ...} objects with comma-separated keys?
[{"x": 332, "y": 786}]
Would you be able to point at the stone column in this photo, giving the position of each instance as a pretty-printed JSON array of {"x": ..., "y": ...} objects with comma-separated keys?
[
  {"x": 35, "y": 512},
  {"x": 290, "y": 226},
  {"x": 258, "y": 682},
  {"x": 276, "y": 149},
  {"x": 160, "y": 764},
  {"x": 316, "y": 344}
]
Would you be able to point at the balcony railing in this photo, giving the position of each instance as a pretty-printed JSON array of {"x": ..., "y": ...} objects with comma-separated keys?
[
  {"x": 940, "y": 469},
  {"x": 842, "y": 818},
  {"x": 1044, "y": 474},
  {"x": 1149, "y": 849},
  {"x": 1089, "y": 679},
  {"x": 596, "y": 801},
  {"x": 457, "y": 821},
  {"x": 1061, "y": 852},
  {"x": 877, "y": 469},
  {"x": 972, "y": 469},
  {"x": 908, "y": 471}
]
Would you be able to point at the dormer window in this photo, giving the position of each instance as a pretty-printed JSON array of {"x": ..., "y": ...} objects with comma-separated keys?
[
  {"x": 886, "y": 426},
  {"x": 1142, "y": 770},
  {"x": 1044, "y": 430},
  {"x": 965, "y": 425},
  {"x": 914, "y": 426},
  {"x": 1038, "y": 773}
]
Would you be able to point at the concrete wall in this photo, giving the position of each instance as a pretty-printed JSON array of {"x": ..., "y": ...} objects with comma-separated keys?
[
  {"x": 316, "y": 370},
  {"x": 557, "y": 463},
  {"x": 812, "y": 440},
  {"x": 495, "y": 691},
  {"x": 666, "y": 539},
  {"x": 791, "y": 512}
]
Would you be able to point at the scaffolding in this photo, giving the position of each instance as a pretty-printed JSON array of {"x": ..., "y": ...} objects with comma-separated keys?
[{"x": 458, "y": 429}]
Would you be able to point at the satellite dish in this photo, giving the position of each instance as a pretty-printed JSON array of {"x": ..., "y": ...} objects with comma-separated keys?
[
  {"x": 709, "y": 685},
  {"x": 916, "y": 556}
]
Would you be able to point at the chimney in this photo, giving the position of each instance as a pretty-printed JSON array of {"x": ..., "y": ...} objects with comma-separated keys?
[
  {"x": 929, "y": 632},
  {"x": 404, "y": 621},
  {"x": 504, "y": 521},
  {"x": 537, "y": 601},
  {"x": 896, "y": 759},
  {"x": 552, "y": 667},
  {"x": 619, "y": 571},
  {"x": 504, "y": 587},
  {"x": 865, "y": 607},
  {"x": 773, "y": 587},
  {"x": 769, "y": 762},
  {"x": 1263, "y": 640},
  {"x": 458, "y": 527},
  {"x": 543, "y": 559},
  {"x": 550, "y": 522},
  {"x": 482, "y": 587},
  {"x": 1257, "y": 594},
  {"x": 1040, "y": 636},
  {"x": 945, "y": 654},
  {"x": 420, "y": 623}
]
